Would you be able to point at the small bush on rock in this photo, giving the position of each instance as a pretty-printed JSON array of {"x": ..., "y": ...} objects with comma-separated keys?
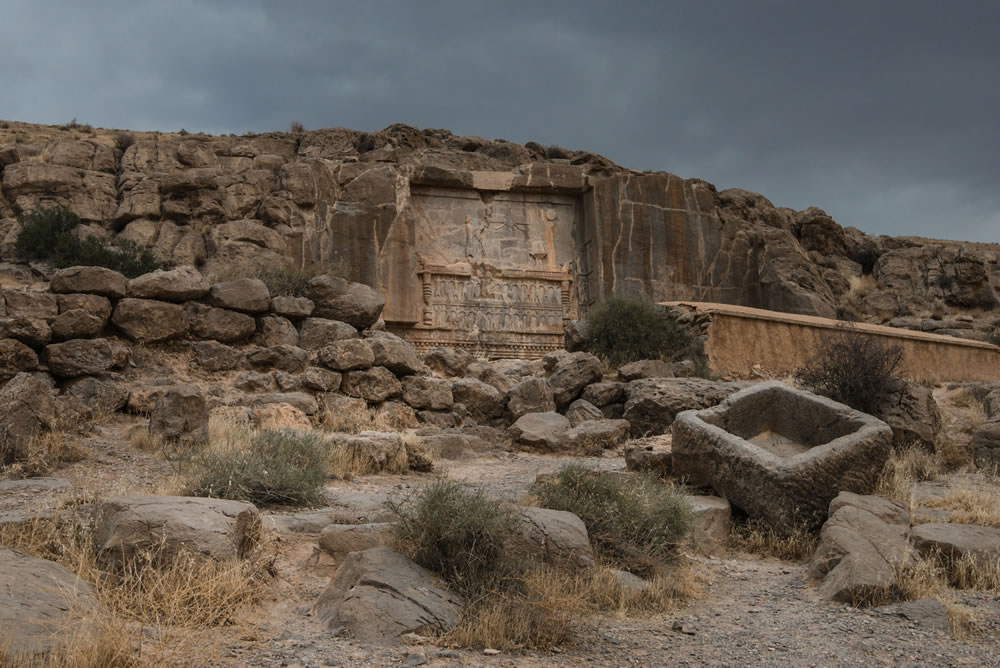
[
  {"x": 854, "y": 369},
  {"x": 636, "y": 521},
  {"x": 282, "y": 280},
  {"x": 266, "y": 467},
  {"x": 621, "y": 330}
]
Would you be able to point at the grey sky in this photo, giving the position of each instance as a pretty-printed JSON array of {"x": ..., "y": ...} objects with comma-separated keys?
[{"x": 883, "y": 113}]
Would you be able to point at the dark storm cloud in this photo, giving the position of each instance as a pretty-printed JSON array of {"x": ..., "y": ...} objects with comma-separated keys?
[{"x": 881, "y": 113}]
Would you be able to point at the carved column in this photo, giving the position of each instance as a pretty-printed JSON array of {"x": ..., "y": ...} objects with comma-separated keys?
[{"x": 425, "y": 279}]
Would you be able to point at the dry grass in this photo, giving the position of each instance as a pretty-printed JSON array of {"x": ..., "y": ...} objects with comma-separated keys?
[
  {"x": 108, "y": 643},
  {"x": 981, "y": 573},
  {"x": 757, "y": 538},
  {"x": 921, "y": 578},
  {"x": 903, "y": 469},
  {"x": 44, "y": 453},
  {"x": 861, "y": 286},
  {"x": 970, "y": 505},
  {"x": 348, "y": 459},
  {"x": 352, "y": 420},
  {"x": 963, "y": 620}
]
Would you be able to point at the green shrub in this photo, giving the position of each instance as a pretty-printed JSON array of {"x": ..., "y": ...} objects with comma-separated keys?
[
  {"x": 266, "y": 467},
  {"x": 853, "y": 368},
  {"x": 49, "y": 234},
  {"x": 460, "y": 534},
  {"x": 635, "y": 521},
  {"x": 621, "y": 330}
]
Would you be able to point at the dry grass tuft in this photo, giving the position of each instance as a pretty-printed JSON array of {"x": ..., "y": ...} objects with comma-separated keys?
[
  {"x": 513, "y": 622},
  {"x": 860, "y": 286},
  {"x": 347, "y": 459},
  {"x": 756, "y": 537},
  {"x": 963, "y": 620},
  {"x": 979, "y": 506},
  {"x": 903, "y": 469},
  {"x": 921, "y": 578},
  {"x": 352, "y": 419},
  {"x": 107, "y": 644},
  {"x": 981, "y": 573},
  {"x": 44, "y": 453}
]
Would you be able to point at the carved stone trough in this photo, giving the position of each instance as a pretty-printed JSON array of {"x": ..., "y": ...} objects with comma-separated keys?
[{"x": 779, "y": 453}]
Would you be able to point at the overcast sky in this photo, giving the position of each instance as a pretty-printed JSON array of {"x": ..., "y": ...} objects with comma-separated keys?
[{"x": 884, "y": 113}]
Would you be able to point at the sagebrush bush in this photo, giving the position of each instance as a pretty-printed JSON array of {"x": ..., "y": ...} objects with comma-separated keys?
[
  {"x": 635, "y": 521},
  {"x": 284, "y": 466},
  {"x": 621, "y": 330},
  {"x": 49, "y": 234},
  {"x": 460, "y": 534},
  {"x": 855, "y": 369}
]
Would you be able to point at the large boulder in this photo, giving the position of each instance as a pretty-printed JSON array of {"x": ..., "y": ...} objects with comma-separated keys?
[
  {"x": 318, "y": 332},
  {"x": 604, "y": 393},
  {"x": 395, "y": 354},
  {"x": 373, "y": 385},
  {"x": 338, "y": 299},
  {"x": 571, "y": 373},
  {"x": 95, "y": 305},
  {"x": 428, "y": 393},
  {"x": 293, "y": 308},
  {"x": 149, "y": 321},
  {"x": 176, "y": 285},
  {"x": 554, "y": 537},
  {"x": 645, "y": 369},
  {"x": 76, "y": 324},
  {"x": 244, "y": 294},
  {"x": 83, "y": 357},
  {"x": 531, "y": 395},
  {"x": 653, "y": 402},
  {"x": 89, "y": 280},
  {"x": 339, "y": 540},
  {"x": 219, "y": 324},
  {"x": 27, "y": 408},
  {"x": 129, "y": 527},
  {"x": 284, "y": 357},
  {"x": 650, "y": 455},
  {"x": 483, "y": 401},
  {"x": 913, "y": 415},
  {"x": 34, "y": 332},
  {"x": 347, "y": 355},
  {"x": 180, "y": 414},
  {"x": 978, "y": 544},
  {"x": 541, "y": 431},
  {"x": 712, "y": 523},
  {"x": 44, "y": 608},
  {"x": 378, "y": 595},
  {"x": 448, "y": 362},
  {"x": 97, "y": 395},
  {"x": 31, "y": 304},
  {"x": 592, "y": 436},
  {"x": 582, "y": 410},
  {"x": 275, "y": 330},
  {"x": 214, "y": 356},
  {"x": 986, "y": 445},
  {"x": 16, "y": 357}
]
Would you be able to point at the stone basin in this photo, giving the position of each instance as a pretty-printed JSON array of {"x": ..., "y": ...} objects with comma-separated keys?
[{"x": 779, "y": 453}]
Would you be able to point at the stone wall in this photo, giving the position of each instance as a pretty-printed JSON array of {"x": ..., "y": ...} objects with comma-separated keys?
[{"x": 754, "y": 343}]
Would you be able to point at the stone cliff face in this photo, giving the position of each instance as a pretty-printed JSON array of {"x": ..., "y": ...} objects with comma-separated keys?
[{"x": 475, "y": 243}]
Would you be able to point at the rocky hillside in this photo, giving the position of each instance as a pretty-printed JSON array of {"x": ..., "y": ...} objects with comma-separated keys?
[{"x": 325, "y": 197}]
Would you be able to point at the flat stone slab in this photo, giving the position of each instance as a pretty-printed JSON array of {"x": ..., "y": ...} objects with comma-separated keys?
[
  {"x": 34, "y": 485},
  {"x": 779, "y": 453}
]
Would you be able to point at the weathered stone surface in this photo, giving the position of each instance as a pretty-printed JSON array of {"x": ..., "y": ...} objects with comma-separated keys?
[
  {"x": 275, "y": 330},
  {"x": 339, "y": 540},
  {"x": 321, "y": 380},
  {"x": 926, "y": 612},
  {"x": 284, "y": 357},
  {"x": 481, "y": 400},
  {"x": 27, "y": 408},
  {"x": 219, "y": 324},
  {"x": 89, "y": 280},
  {"x": 288, "y": 382},
  {"x": 571, "y": 374},
  {"x": 16, "y": 357},
  {"x": 374, "y": 451},
  {"x": 319, "y": 332},
  {"x": 180, "y": 413},
  {"x": 82, "y": 357},
  {"x": 397, "y": 416},
  {"x": 213, "y": 356},
  {"x": 395, "y": 354},
  {"x": 76, "y": 324},
  {"x": 582, "y": 410},
  {"x": 149, "y": 321},
  {"x": 955, "y": 541},
  {"x": 44, "y": 607},
  {"x": 347, "y": 355},
  {"x": 425, "y": 392},
  {"x": 175, "y": 285},
  {"x": 374, "y": 385},
  {"x": 986, "y": 445},
  {"x": 712, "y": 519},
  {"x": 542, "y": 431},
  {"x": 253, "y": 381},
  {"x": 244, "y": 294},
  {"x": 344, "y": 414},
  {"x": 129, "y": 526},
  {"x": 338, "y": 299},
  {"x": 379, "y": 595},
  {"x": 653, "y": 402},
  {"x": 34, "y": 332},
  {"x": 531, "y": 395},
  {"x": 294, "y": 308},
  {"x": 280, "y": 416},
  {"x": 95, "y": 305},
  {"x": 913, "y": 415},
  {"x": 97, "y": 395},
  {"x": 645, "y": 369},
  {"x": 592, "y": 436},
  {"x": 303, "y": 401},
  {"x": 455, "y": 445},
  {"x": 448, "y": 362},
  {"x": 650, "y": 455},
  {"x": 779, "y": 453},
  {"x": 554, "y": 537},
  {"x": 31, "y": 304},
  {"x": 604, "y": 393}
]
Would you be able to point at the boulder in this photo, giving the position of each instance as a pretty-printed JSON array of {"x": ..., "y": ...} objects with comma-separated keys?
[
  {"x": 89, "y": 280},
  {"x": 31, "y": 304},
  {"x": 448, "y": 362},
  {"x": 604, "y": 393},
  {"x": 219, "y": 324},
  {"x": 34, "y": 332},
  {"x": 275, "y": 330},
  {"x": 986, "y": 445},
  {"x": 319, "y": 332},
  {"x": 481, "y": 400},
  {"x": 592, "y": 436},
  {"x": 27, "y": 408},
  {"x": 378, "y": 595},
  {"x": 395, "y": 354},
  {"x": 253, "y": 381},
  {"x": 339, "y": 299},
  {"x": 319, "y": 379},
  {"x": 293, "y": 308},
  {"x": 45, "y": 608},
  {"x": 645, "y": 369},
  {"x": 426, "y": 392},
  {"x": 491, "y": 375},
  {"x": 653, "y": 402},
  {"x": 344, "y": 414},
  {"x": 181, "y": 414},
  {"x": 650, "y": 455},
  {"x": 555, "y": 537},
  {"x": 373, "y": 385},
  {"x": 280, "y": 416},
  {"x": 542, "y": 431},
  {"x": 582, "y": 410},
  {"x": 16, "y": 357},
  {"x": 303, "y": 401},
  {"x": 149, "y": 321},
  {"x": 76, "y": 324},
  {"x": 954, "y": 541},
  {"x": 372, "y": 451},
  {"x": 284, "y": 357},
  {"x": 176, "y": 285},
  {"x": 97, "y": 395},
  {"x": 913, "y": 415},
  {"x": 712, "y": 520},
  {"x": 531, "y": 395},
  {"x": 288, "y": 382},
  {"x": 347, "y": 355},
  {"x": 395, "y": 416},
  {"x": 129, "y": 527},
  {"x": 244, "y": 294},
  {"x": 339, "y": 540},
  {"x": 95, "y": 305},
  {"x": 83, "y": 357},
  {"x": 213, "y": 356},
  {"x": 571, "y": 374},
  {"x": 454, "y": 445}
]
